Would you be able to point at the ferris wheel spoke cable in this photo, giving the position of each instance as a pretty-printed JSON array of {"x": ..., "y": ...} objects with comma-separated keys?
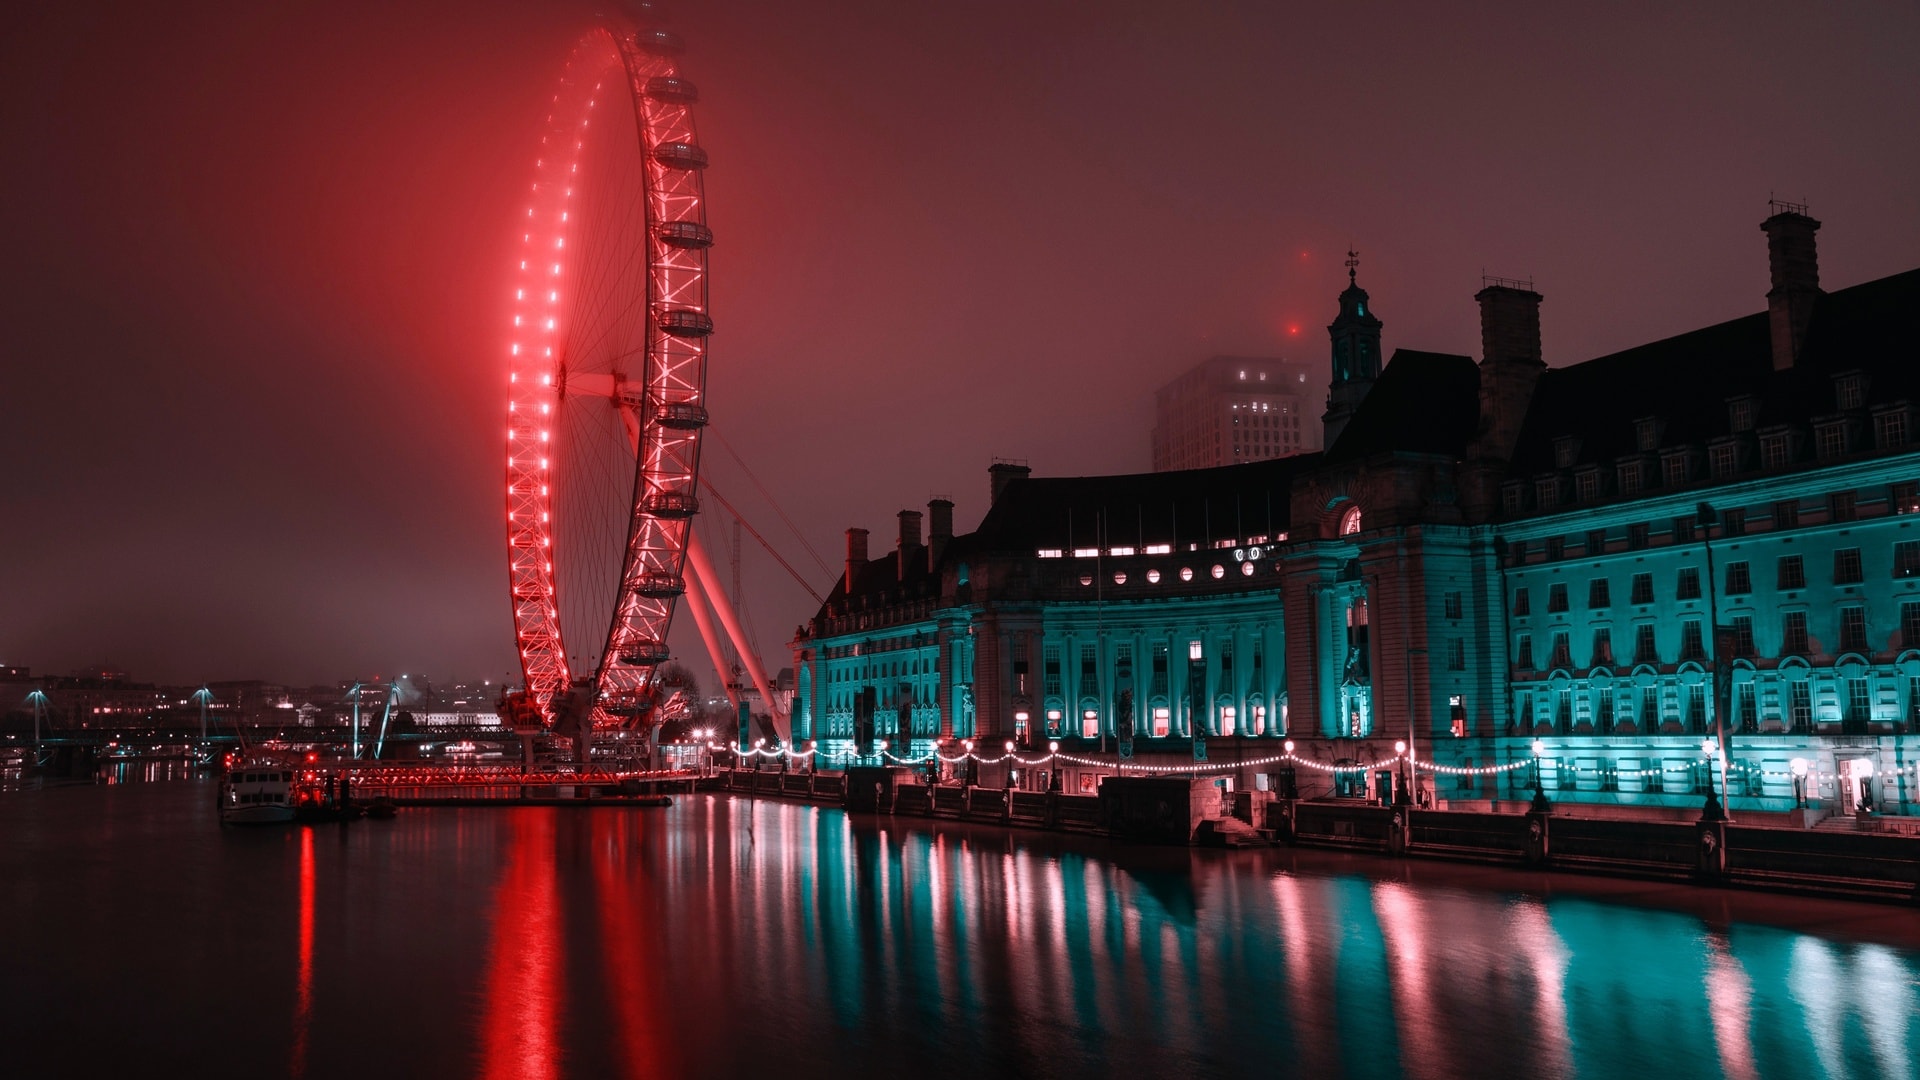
[{"x": 771, "y": 501}]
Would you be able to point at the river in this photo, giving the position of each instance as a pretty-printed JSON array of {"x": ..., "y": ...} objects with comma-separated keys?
[{"x": 724, "y": 937}]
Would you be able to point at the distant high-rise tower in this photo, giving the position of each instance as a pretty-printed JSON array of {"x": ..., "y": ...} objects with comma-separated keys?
[
  {"x": 1356, "y": 353},
  {"x": 1230, "y": 409}
]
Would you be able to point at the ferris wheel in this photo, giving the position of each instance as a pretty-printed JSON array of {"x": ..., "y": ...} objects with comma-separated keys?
[{"x": 607, "y": 376}]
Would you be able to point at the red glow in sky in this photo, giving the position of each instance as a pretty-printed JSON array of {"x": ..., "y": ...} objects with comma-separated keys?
[{"x": 252, "y": 364}]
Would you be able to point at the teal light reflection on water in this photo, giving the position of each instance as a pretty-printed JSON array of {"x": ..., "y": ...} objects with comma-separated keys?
[{"x": 725, "y": 938}]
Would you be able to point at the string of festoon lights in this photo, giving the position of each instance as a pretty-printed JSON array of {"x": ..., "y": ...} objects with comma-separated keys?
[{"x": 883, "y": 750}]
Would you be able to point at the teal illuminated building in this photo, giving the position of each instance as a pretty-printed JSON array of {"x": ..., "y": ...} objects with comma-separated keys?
[{"x": 1495, "y": 560}]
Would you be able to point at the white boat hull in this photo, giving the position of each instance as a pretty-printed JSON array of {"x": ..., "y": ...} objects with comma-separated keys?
[{"x": 263, "y": 814}]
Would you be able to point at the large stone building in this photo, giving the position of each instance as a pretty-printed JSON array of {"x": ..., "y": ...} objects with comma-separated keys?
[
  {"x": 1228, "y": 410},
  {"x": 1495, "y": 560}
]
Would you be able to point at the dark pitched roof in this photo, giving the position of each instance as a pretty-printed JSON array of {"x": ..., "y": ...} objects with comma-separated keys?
[
  {"x": 1188, "y": 506},
  {"x": 1424, "y": 402},
  {"x": 1687, "y": 380}
]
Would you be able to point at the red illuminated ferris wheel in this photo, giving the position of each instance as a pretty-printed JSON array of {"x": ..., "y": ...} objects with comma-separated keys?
[{"x": 607, "y": 371}]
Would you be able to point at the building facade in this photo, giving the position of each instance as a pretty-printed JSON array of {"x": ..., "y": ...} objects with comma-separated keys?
[
  {"x": 1227, "y": 410},
  {"x": 1608, "y": 570}
]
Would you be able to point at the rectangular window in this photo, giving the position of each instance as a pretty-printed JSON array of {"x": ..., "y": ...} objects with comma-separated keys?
[
  {"x": 1793, "y": 573},
  {"x": 1724, "y": 459},
  {"x": 1052, "y": 672},
  {"x": 1631, "y": 479},
  {"x": 1743, "y": 637},
  {"x": 1602, "y": 647},
  {"x": 1786, "y": 514},
  {"x": 1739, "y": 579},
  {"x": 1512, "y": 498},
  {"x": 1846, "y": 566},
  {"x": 1890, "y": 430},
  {"x": 1740, "y": 414},
  {"x": 1800, "y": 708},
  {"x": 1904, "y": 497},
  {"x": 1910, "y": 624},
  {"x": 1636, "y": 537},
  {"x": 1599, "y": 594},
  {"x": 1162, "y": 721},
  {"x": 1586, "y": 485},
  {"x": 1452, "y": 601},
  {"x": 1793, "y": 633},
  {"x": 1830, "y": 441},
  {"x": 1849, "y": 391},
  {"x": 1688, "y": 587},
  {"x": 1456, "y": 654},
  {"x": 1683, "y": 529},
  {"x": 1691, "y": 647},
  {"x": 1773, "y": 451},
  {"x": 1859, "y": 706},
  {"x": 1642, "y": 589},
  {"x": 1523, "y": 653},
  {"x": 1697, "y": 709},
  {"x": 1556, "y": 597},
  {"x": 1906, "y": 558},
  {"x": 1517, "y": 553},
  {"x": 1853, "y": 628},
  {"x": 1603, "y": 714},
  {"x": 1562, "y": 654},
  {"x": 1596, "y": 541},
  {"x": 1520, "y": 606},
  {"x": 1676, "y": 469},
  {"x": 1746, "y": 709},
  {"x": 1555, "y": 548},
  {"x": 1089, "y": 667},
  {"x": 1733, "y": 523},
  {"x": 1645, "y": 651},
  {"x": 1646, "y": 434},
  {"x": 1649, "y": 710},
  {"x": 1842, "y": 506},
  {"x": 1546, "y": 493}
]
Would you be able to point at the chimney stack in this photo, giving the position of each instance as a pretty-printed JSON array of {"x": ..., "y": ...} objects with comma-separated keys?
[
  {"x": 909, "y": 543},
  {"x": 856, "y": 556},
  {"x": 939, "y": 529},
  {"x": 1796, "y": 280},
  {"x": 1002, "y": 473},
  {"x": 1510, "y": 363}
]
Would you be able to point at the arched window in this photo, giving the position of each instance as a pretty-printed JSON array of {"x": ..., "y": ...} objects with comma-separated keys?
[{"x": 1350, "y": 521}]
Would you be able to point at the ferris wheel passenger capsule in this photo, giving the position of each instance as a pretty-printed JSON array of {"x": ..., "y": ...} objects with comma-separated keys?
[{"x": 672, "y": 90}]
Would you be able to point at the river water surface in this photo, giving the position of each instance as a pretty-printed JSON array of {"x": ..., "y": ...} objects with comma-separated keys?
[{"x": 724, "y": 937}]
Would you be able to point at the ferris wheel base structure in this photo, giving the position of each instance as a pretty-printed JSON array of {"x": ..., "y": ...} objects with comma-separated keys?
[{"x": 607, "y": 369}]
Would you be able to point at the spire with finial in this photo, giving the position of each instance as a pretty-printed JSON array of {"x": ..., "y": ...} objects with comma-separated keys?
[{"x": 1353, "y": 264}]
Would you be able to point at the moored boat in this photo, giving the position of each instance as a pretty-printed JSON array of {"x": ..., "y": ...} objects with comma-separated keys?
[{"x": 257, "y": 791}]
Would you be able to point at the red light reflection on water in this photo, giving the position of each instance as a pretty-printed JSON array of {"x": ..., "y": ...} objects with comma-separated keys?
[
  {"x": 1729, "y": 1004},
  {"x": 629, "y": 914},
  {"x": 522, "y": 994},
  {"x": 303, "y": 982}
]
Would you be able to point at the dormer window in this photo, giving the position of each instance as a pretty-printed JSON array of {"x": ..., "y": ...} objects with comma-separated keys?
[
  {"x": 1830, "y": 440},
  {"x": 1513, "y": 498},
  {"x": 1723, "y": 459},
  {"x": 1775, "y": 450},
  {"x": 1565, "y": 449},
  {"x": 1546, "y": 492},
  {"x": 1674, "y": 469},
  {"x": 1850, "y": 390},
  {"x": 1890, "y": 429},
  {"x": 1740, "y": 414},
  {"x": 1586, "y": 484},
  {"x": 1632, "y": 478},
  {"x": 1646, "y": 433}
]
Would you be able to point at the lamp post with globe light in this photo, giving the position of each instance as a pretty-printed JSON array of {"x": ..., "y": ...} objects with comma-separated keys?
[{"x": 1541, "y": 804}]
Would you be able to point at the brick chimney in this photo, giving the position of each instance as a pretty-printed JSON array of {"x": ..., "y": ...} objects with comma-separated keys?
[
  {"x": 856, "y": 556},
  {"x": 1510, "y": 364},
  {"x": 1796, "y": 280},
  {"x": 939, "y": 529},
  {"x": 1002, "y": 473},
  {"x": 908, "y": 545}
]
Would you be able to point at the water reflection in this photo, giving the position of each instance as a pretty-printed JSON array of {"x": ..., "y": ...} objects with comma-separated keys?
[{"x": 724, "y": 938}]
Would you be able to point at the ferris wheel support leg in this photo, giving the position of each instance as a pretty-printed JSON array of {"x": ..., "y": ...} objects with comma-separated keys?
[
  {"x": 702, "y": 568},
  {"x": 703, "y": 618}
]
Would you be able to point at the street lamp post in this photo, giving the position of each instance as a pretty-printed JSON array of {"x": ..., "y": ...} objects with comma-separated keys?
[
  {"x": 1413, "y": 710},
  {"x": 1712, "y": 811},
  {"x": 1708, "y": 517}
]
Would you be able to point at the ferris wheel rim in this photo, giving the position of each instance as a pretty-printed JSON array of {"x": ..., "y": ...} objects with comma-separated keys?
[{"x": 666, "y": 410}]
